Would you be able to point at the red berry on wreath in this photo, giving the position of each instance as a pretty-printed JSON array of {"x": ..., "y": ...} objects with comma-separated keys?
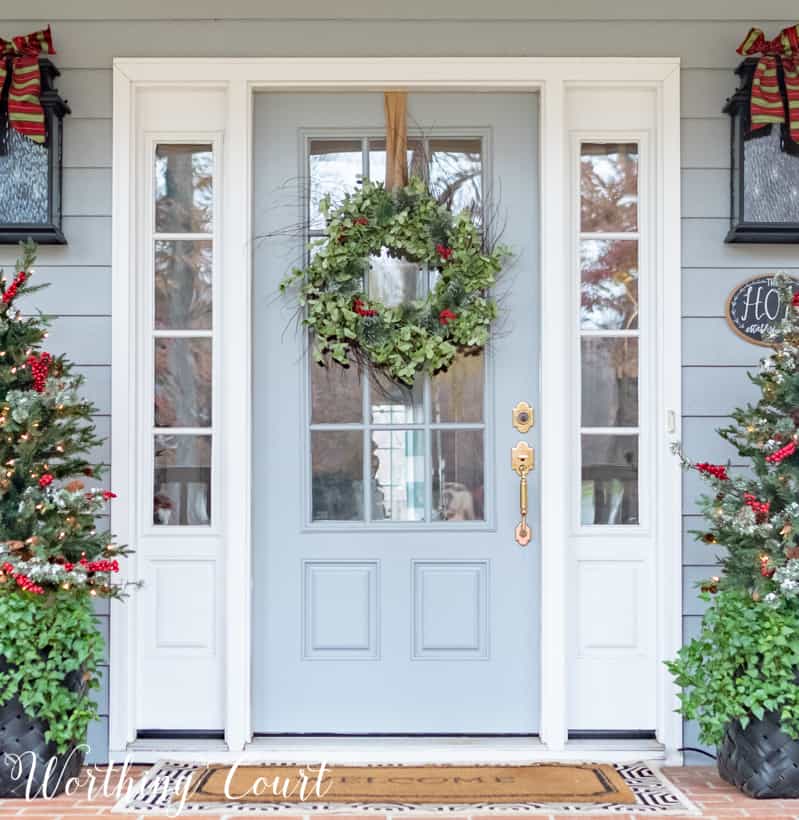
[
  {"x": 360, "y": 308},
  {"x": 444, "y": 252},
  {"x": 361, "y": 220},
  {"x": 446, "y": 316},
  {"x": 46, "y": 480}
]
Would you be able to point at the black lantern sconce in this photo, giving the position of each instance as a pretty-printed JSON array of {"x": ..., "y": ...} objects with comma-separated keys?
[
  {"x": 764, "y": 181},
  {"x": 30, "y": 171}
]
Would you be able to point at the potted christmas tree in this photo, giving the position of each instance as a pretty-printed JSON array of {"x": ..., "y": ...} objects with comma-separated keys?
[
  {"x": 55, "y": 556},
  {"x": 739, "y": 676}
]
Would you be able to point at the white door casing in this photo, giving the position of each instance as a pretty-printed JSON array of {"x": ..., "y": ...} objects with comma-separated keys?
[{"x": 197, "y": 97}]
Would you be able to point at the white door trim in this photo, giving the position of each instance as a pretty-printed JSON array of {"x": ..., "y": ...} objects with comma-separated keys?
[{"x": 240, "y": 78}]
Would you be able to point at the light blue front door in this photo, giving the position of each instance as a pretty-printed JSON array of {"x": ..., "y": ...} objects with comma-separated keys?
[{"x": 390, "y": 594}]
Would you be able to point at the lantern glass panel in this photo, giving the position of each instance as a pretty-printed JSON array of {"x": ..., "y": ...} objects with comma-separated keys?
[
  {"x": 736, "y": 158},
  {"x": 771, "y": 180},
  {"x": 24, "y": 181}
]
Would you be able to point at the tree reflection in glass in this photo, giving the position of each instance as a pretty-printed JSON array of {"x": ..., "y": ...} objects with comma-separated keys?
[
  {"x": 609, "y": 284},
  {"x": 184, "y": 188},
  {"x": 608, "y": 187},
  {"x": 183, "y": 270}
]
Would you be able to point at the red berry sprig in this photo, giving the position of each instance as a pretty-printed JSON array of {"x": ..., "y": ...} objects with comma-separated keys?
[
  {"x": 444, "y": 252},
  {"x": 760, "y": 508},
  {"x": 784, "y": 452},
  {"x": 360, "y": 308},
  {"x": 40, "y": 369},
  {"x": 446, "y": 316},
  {"x": 101, "y": 565},
  {"x": 22, "y": 580},
  {"x": 46, "y": 480},
  {"x": 11, "y": 290},
  {"x": 718, "y": 471}
]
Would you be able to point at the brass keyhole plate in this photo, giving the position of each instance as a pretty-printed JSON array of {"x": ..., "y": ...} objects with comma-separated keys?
[
  {"x": 522, "y": 458},
  {"x": 523, "y": 417}
]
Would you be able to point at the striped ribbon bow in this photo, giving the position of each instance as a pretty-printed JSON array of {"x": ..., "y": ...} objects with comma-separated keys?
[
  {"x": 20, "y": 58},
  {"x": 774, "y": 99}
]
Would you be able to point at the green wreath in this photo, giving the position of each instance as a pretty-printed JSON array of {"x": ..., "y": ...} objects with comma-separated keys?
[{"x": 422, "y": 335}]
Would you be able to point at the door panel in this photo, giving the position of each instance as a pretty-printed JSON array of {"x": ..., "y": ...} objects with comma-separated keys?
[{"x": 390, "y": 595}]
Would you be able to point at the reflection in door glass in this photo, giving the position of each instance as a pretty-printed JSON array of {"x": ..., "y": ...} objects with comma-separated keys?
[
  {"x": 609, "y": 377},
  {"x": 333, "y": 168},
  {"x": 395, "y": 280},
  {"x": 394, "y": 403},
  {"x": 417, "y": 159},
  {"x": 456, "y": 173},
  {"x": 609, "y": 480},
  {"x": 337, "y": 475},
  {"x": 457, "y": 394},
  {"x": 182, "y": 382},
  {"x": 609, "y": 284},
  {"x": 183, "y": 284},
  {"x": 608, "y": 187},
  {"x": 336, "y": 392},
  {"x": 399, "y": 479},
  {"x": 182, "y": 491},
  {"x": 457, "y": 473},
  {"x": 398, "y": 485},
  {"x": 608, "y": 245},
  {"x": 182, "y": 347},
  {"x": 184, "y": 192},
  {"x": 453, "y": 167}
]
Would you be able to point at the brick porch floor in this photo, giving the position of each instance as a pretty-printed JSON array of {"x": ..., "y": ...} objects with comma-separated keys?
[{"x": 700, "y": 783}]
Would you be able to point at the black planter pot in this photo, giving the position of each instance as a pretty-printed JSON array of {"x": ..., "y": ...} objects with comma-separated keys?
[
  {"x": 29, "y": 765},
  {"x": 761, "y": 760}
]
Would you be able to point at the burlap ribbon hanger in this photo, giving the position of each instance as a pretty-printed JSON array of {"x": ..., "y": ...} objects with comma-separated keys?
[{"x": 396, "y": 107}]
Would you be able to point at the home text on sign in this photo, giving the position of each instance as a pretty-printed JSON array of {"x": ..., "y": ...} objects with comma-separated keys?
[{"x": 754, "y": 306}]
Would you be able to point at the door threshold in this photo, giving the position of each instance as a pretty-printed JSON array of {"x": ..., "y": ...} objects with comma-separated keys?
[{"x": 398, "y": 750}]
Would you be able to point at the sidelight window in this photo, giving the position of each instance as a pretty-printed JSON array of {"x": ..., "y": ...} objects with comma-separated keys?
[
  {"x": 608, "y": 256},
  {"x": 182, "y": 333}
]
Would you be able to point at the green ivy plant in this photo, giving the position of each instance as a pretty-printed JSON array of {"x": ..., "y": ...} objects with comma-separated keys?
[
  {"x": 743, "y": 663},
  {"x": 47, "y": 641},
  {"x": 424, "y": 335}
]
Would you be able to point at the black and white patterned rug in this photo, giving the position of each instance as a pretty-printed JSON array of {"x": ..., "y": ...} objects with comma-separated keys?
[{"x": 155, "y": 795}]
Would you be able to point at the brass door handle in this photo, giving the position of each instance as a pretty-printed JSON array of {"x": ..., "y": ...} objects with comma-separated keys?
[{"x": 522, "y": 460}]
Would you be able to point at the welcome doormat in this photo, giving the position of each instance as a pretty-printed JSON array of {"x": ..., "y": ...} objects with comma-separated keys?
[
  {"x": 171, "y": 788},
  {"x": 543, "y": 783}
]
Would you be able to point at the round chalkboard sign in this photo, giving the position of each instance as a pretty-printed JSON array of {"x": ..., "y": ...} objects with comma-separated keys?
[{"x": 754, "y": 306}]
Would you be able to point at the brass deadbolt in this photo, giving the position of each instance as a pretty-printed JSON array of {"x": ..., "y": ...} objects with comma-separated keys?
[{"x": 523, "y": 417}]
